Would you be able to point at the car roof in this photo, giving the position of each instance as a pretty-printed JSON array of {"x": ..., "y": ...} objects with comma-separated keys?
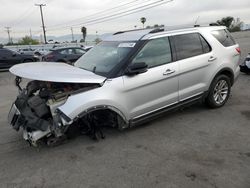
[{"x": 144, "y": 34}]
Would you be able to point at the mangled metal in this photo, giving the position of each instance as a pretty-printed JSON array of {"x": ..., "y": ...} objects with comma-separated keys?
[{"x": 35, "y": 109}]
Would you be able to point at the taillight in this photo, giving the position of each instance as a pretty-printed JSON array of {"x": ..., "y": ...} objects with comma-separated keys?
[{"x": 238, "y": 50}]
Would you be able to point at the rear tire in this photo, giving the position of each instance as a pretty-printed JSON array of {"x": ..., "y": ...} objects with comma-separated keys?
[{"x": 219, "y": 91}]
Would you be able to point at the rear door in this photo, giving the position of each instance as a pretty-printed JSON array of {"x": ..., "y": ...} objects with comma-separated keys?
[
  {"x": 67, "y": 55},
  {"x": 194, "y": 56},
  {"x": 158, "y": 87}
]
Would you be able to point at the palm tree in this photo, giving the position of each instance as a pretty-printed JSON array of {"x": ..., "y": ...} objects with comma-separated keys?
[
  {"x": 143, "y": 20},
  {"x": 84, "y": 33}
]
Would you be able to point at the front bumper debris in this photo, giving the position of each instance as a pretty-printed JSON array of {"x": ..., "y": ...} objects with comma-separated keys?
[{"x": 31, "y": 115}]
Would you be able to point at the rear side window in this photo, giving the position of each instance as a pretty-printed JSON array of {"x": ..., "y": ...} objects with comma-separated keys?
[
  {"x": 224, "y": 37},
  {"x": 67, "y": 51},
  {"x": 190, "y": 45},
  {"x": 79, "y": 51}
]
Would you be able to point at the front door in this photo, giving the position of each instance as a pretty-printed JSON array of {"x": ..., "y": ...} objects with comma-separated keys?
[{"x": 158, "y": 87}]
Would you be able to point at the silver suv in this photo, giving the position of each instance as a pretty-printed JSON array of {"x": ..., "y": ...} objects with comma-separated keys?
[{"x": 127, "y": 79}]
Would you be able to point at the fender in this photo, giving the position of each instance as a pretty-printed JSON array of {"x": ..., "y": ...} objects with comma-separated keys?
[
  {"x": 103, "y": 97},
  {"x": 103, "y": 107},
  {"x": 219, "y": 71}
]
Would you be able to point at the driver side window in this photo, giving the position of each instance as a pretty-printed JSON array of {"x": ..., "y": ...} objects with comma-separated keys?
[{"x": 156, "y": 52}]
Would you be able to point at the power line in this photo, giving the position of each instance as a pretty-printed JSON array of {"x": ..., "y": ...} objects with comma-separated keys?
[
  {"x": 22, "y": 17},
  {"x": 41, "y": 11},
  {"x": 119, "y": 14},
  {"x": 146, "y": 8},
  {"x": 97, "y": 13}
]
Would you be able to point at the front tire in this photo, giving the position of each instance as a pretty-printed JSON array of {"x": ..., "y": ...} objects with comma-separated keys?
[{"x": 219, "y": 92}]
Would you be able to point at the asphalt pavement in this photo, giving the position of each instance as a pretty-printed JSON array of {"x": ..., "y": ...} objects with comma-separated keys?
[{"x": 193, "y": 148}]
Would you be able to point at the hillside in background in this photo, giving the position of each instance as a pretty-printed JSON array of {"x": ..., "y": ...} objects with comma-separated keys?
[{"x": 62, "y": 38}]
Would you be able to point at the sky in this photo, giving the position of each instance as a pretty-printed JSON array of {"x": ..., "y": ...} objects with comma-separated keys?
[{"x": 60, "y": 15}]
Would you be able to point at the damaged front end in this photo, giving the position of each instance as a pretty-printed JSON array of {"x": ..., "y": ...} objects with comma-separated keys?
[{"x": 35, "y": 110}]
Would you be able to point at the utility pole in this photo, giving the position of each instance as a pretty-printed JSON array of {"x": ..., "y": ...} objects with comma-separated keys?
[
  {"x": 41, "y": 10},
  {"x": 8, "y": 31},
  {"x": 72, "y": 34},
  {"x": 30, "y": 34}
]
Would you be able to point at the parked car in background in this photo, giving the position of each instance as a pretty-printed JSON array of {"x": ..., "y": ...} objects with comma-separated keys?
[
  {"x": 39, "y": 53},
  {"x": 87, "y": 48},
  {"x": 127, "y": 79},
  {"x": 9, "y": 58},
  {"x": 66, "y": 55},
  {"x": 26, "y": 51},
  {"x": 51, "y": 41},
  {"x": 245, "y": 66}
]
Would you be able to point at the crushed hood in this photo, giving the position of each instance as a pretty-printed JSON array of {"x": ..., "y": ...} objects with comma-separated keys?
[{"x": 55, "y": 72}]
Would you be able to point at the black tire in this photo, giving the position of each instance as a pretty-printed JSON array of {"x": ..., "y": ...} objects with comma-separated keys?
[{"x": 217, "y": 97}]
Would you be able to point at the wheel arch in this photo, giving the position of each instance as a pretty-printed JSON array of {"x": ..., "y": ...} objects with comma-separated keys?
[
  {"x": 225, "y": 71},
  {"x": 105, "y": 107}
]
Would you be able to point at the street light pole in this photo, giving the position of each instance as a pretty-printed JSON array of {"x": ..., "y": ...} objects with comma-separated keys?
[
  {"x": 72, "y": 34},
  {"x": 8, "y": 31},
  {"x": 41, "y": 11}
]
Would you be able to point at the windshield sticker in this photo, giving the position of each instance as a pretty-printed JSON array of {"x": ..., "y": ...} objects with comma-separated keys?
[{"x": 126, "y": 45}]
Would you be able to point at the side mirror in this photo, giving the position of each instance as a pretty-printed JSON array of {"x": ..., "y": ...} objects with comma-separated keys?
[
  {"x": 136, "y": 68},
  {"x": 13, "y": 54}
]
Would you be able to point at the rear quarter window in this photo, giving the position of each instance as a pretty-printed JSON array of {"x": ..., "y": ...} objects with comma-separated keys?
[{"x": 224, "y": 37}]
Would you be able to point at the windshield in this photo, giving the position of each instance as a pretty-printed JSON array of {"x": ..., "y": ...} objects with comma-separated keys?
[{"x": 104, "y": 57}]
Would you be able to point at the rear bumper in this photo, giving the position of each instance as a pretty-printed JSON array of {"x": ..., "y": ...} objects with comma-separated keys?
[{"x": 236, "y": 74}]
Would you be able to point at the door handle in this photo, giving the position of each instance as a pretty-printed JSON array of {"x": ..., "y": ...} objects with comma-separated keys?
[
  {"x": 168, "y": 72},
  {"x": 212, "y": 58}
]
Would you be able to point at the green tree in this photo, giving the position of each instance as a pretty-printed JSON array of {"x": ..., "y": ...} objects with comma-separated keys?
[
  {"x": 143, "y": 20},
  {"x": 226, "y": 21},
  {"x": 27, "y": 41},
  {"x": 232, "y": 24}
]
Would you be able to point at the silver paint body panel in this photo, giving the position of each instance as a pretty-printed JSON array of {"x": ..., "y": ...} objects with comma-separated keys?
[{"x": 134, "y": 96}]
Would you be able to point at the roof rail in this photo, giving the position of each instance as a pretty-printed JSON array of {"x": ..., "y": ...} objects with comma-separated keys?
[
  {"x": 156, "y": 30},
  {"x": 150, "y": 30},
  {"x": 214, "y": 24},
  {"x": 120, "y": 32},
  {"x": 166, "y": 28}
]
